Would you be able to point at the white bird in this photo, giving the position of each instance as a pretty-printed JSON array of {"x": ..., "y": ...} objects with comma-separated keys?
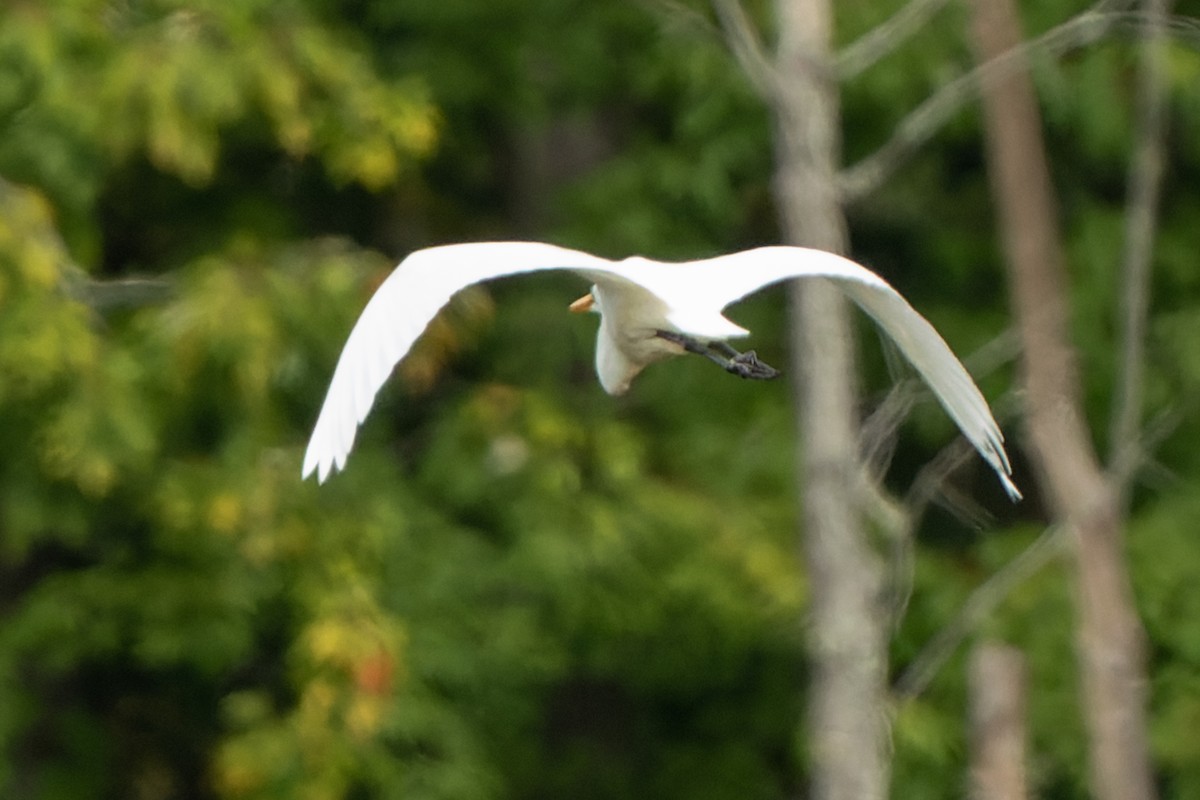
[{"x": 649, "y": 311}]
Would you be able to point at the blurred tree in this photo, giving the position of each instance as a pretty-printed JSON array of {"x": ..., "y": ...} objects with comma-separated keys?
[
  {"x": 997, "y": 720},
  {"x": 847, "y": 638},
  {"x": 1111, "y": 637}
]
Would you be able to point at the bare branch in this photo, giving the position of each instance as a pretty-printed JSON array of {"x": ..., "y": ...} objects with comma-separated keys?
[
  {"x": 914, "y": 130},
  {"x": 747, "y": 47},
  {"x": 881, "y": 40},
  {"x": 1138, "y": 458},
  {"x": 736, "y": 29},
  {"x": 677, "y": 15},
  {"x": 982, "y": 602},
  {"x": 877, "y": 439},
  {"x": 74, "y": 281},
  {"x": 111, "y": 295},
  {"x": 932, "y": 486},
  {"x": 897, "y": 519},
  {"x": 1141, "y": 221}
]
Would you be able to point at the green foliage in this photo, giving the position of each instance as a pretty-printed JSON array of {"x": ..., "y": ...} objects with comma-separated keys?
[
  {"x": 520, "y": 587},
  {"x": 91, "y": 85},
  {"x": 1170, "y": 595}
]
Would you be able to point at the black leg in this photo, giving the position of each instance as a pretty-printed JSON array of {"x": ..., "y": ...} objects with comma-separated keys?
[
  {"x": 724, "y": 349},
  {"x": 693, "y": 346},
  {"x": 745, "y": 365}
]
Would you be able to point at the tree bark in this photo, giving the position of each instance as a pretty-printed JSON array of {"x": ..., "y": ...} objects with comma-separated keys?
[
  {"x": 846, "y": 724},
  {"x": 1110, "y": 636},
  {"x": 998, "y": 700}
]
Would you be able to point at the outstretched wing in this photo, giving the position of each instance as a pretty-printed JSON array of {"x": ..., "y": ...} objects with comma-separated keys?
[
  {"x": 727, "y": 279},
  {"x": 400, "y": 311}
]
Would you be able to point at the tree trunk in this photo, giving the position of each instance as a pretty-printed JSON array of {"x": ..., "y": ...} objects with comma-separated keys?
[
  {"x": 998, "y": 699},
  {"x": 1110, "y": 636},
  {"x": 846, "y": 723}
]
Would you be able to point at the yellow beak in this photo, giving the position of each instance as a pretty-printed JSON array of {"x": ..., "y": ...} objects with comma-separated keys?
[{"x": 583, "y": 304}]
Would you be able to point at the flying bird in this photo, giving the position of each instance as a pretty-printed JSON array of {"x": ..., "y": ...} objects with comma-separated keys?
[{"x": 649, "y": 311}]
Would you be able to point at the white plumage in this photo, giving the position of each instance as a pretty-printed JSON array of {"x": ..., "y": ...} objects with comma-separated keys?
[{"x": 637, "y": 298}]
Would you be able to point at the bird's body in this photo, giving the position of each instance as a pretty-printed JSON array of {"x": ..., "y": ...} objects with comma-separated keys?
[
  {"x": 632, "y": 318},
  {"x": 649, "y": 310}
]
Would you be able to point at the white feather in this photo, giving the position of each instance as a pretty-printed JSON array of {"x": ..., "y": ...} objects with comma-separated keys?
[{"x": 636, "y": 297}]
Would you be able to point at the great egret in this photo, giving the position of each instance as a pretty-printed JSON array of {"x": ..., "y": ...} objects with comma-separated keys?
[{"x": 650, "y": 310}]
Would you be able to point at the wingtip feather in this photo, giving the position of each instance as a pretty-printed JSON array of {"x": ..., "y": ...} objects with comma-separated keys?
[{"x": 1014, "y": 493}]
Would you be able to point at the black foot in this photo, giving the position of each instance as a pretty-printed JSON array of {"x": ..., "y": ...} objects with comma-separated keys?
[{"x": 747, "y": 365}]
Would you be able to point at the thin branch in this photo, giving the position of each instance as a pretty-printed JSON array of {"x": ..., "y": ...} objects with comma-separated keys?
[
  {"x": 747, "y": 47},
  {"x": 678, "y": 15},
  {"x": 898, "y": 519},
  {"x": 122, "y": 293},
  {"x": 879, "y": 430},
  {"x": 1141, "y": 222},
  {"x": 897, "y": 522},
  {"x": 737, "y": 31},
  {"x": 931, "y": 486},
  {"x": 881, "y": 40},
  {"x": 920, "y": 125},
  {"x": 1137, "y": 458},
  {"x": 982, "y": 602}
]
